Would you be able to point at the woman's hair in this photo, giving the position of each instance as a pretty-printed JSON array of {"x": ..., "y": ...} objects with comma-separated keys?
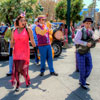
[{"x": 17, "y": 20}]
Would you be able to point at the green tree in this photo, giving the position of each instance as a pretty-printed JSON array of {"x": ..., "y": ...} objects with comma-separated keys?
[
  {"x": 76, "y": 7},
  {"x": 10, "y": 9}
]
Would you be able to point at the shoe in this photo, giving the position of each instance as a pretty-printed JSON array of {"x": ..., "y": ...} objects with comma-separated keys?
[
  {"x": 77, "y": 70},
  {"x": 9, "y": 74},
  {"x": 54, "y": 74},
  {"x": 35, "y": 63},
  {"x": 27, "y": 85},
  {"x": 42, "y": 74},
  {"x": 17, "y": 89},
  {"x": 87, "y": 84},
  {"x": 84, "y": 87}
]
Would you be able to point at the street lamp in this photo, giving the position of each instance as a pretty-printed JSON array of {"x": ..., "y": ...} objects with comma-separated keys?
[{"x": 68, "y": 21}]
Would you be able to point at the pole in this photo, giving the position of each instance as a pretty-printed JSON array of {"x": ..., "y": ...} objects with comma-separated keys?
[
  {"x": 68, "y": 21},
  {"x": 94, "y": 1}
]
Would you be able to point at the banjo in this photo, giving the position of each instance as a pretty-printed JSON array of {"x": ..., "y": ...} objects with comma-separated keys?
[{"x": 85, "y": 49}]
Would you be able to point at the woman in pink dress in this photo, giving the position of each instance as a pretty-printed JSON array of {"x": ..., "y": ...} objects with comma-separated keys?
[{"x": 21, "y": 51}]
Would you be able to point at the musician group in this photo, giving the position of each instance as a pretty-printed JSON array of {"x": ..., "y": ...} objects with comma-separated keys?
[{"x": 41, "y": 32}]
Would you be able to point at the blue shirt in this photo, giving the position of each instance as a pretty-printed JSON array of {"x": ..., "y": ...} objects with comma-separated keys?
[
  {"x": 3, "y": 29},
  {"x": 34, "y": 34}
]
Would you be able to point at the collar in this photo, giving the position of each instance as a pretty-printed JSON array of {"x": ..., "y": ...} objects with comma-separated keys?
[
  {"x": 86, "y": 29},
  {"x": 40, "y": 24}
]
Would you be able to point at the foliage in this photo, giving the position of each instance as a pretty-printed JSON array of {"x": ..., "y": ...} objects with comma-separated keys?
[
  {"x": 37, "y": 10},
  {"x": 10, "y": 9},
  {"x": 76, "y": 7}
]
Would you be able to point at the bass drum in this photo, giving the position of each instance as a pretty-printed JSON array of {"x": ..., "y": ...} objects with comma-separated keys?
[
  {"x": 58, "y": 35},
  {"x": 53, "y": 54}
]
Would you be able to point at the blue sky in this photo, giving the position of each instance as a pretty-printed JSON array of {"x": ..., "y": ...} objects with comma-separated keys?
[{"x": 87, "y": 2}]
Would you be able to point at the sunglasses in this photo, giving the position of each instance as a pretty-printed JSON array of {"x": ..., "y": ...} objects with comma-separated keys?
[{"x": 43, "y": 19}]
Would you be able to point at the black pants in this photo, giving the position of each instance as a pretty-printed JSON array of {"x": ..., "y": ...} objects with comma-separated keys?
[{"x": 36, "y": 54}]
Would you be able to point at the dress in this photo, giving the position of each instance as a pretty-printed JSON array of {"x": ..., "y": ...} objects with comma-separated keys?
[{"x": 21, "y": 56}]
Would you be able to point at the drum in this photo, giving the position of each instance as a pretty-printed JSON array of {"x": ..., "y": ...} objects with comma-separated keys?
[{"x": 58, "y": 35}]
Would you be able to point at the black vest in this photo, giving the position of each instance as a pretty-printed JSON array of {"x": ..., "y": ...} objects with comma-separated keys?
[{"x": 85, "y": 36}]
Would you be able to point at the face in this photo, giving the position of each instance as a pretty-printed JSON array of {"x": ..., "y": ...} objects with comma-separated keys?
[
  {"x": 87, "y": 24},
  {"x": 71, "y": 24},
  {"x": 22, "y": 22},
  {"x": 42, "y": 21}
]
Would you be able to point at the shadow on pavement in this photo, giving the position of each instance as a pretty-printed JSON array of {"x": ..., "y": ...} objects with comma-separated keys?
[
  {"x": 35, "y": 82},
  {"x": 75, "y": 75},
  {"x": 4, "y": 82},
  {"x": 13, "y": 96},
  {"x": 79, "y": 94},
  {"x": 36, "y": 68}
]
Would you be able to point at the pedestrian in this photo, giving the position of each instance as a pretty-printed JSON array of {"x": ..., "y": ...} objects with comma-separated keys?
[
  {"x": 21, "y": 51},
  {"x": 36, "y": 41},
  {"x": 7, "y": 37},
  {"x": 44, "y": 45},
  {"x": 84, "y": 60}
]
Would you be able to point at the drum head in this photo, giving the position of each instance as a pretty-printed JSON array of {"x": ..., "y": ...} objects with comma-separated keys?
[{"x": 58, "y": 35}]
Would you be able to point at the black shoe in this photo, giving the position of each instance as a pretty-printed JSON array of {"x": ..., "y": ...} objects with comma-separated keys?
[
  {"x": 27, "y": 85},
  {"x": 9, "y": 74},
  {"x": 54, "y": 74},
  {"x": 42, "y": 74},
  {"x": 77, "y": 70},
  {"x": 84, "y": 87},
  {"x": 17, "y": 89},
  {"x": 87, "y": 84}
]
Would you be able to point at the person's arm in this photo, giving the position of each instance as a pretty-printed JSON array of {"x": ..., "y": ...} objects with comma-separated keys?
[
  {"x": 78, "y": 37},
  {"x": 40, "y": 31},
  {"x": 11, "y": 43},
  {"x": 7, "y": 35},
  {"x": 12, "y": 40},
  {"x": 31, "y": 36}
]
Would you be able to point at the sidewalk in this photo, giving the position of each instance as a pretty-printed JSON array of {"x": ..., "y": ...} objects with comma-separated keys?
[{"x": 63, "y": 87}]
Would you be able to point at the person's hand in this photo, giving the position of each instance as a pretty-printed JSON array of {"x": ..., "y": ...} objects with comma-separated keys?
[
  {"x": 89, "y": 44},
  {"x": 99, "y": 40}
]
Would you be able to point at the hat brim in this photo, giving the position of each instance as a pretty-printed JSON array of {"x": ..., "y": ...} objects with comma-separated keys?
[
  {"x": 42, "y": 18},
  {"x": 88, "y": 21}
]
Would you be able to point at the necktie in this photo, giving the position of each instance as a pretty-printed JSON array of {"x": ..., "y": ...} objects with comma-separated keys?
[{"x": 87, "y": 32}]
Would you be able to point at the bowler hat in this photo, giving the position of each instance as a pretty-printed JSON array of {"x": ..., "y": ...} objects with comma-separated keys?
[{"x": 88, "y": 20}]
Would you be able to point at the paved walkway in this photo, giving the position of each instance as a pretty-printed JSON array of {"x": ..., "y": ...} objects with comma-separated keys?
[{"x": 63, "y": 87}]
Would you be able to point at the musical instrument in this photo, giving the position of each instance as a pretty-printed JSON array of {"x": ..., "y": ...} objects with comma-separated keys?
[
  {"x": 85, "y": 49},
  {"x": 58, "y": 35}
]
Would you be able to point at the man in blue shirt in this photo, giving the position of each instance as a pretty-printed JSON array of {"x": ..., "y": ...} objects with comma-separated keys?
[{"x": 36, "y": 41}]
